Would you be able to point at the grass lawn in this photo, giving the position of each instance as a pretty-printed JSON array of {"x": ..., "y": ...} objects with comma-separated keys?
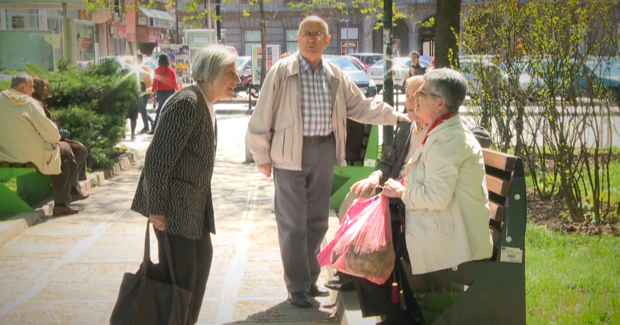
[{"x": 571, "y": 279}]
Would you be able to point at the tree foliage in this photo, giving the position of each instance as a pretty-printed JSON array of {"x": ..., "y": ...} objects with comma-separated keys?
[
  {"x": 92, "y": 104},
  {"x": 561, "y": 116}
]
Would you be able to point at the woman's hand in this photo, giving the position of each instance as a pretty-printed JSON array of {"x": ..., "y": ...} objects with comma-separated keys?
[
  {"x": 392, "y": 188},
  {"x": 159, "y": 221},
  {"x": 366, "y": 184}
]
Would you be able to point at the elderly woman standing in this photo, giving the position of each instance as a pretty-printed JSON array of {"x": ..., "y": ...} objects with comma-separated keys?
[
  {"x": 446, "y": 202},
  {"x": 174, "y": 190}
]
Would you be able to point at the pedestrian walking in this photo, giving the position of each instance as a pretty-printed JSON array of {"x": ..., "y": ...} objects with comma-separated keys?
[
  {"x": 174, "y": 190},
  {"x": 164, "y": 85},
  {"x": 299, "y": 129}
]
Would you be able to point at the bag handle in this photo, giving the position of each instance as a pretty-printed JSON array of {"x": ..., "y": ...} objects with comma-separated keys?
[
  {"x": 162, "y": 78},
  {"x": 146, "y": 259}
]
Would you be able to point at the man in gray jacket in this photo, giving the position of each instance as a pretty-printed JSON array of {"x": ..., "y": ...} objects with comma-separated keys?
[{"x": 299, "y": 129}]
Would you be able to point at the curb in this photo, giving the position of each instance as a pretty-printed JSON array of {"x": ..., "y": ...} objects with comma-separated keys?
[{"x": 17, "y": 224}]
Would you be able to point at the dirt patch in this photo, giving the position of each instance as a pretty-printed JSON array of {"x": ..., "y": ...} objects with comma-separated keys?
[{"x": 549, "y": 213}]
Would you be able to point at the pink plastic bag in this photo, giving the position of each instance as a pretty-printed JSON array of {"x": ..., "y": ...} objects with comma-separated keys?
[{"x": 362, "y": 245}]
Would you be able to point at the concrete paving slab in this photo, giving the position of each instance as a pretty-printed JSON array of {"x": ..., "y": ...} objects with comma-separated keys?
[{"x": 72, "y": 277}]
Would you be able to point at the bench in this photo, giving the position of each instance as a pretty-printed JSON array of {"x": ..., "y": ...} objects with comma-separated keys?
[
  {"x": 31, "y": 186},
  {"x": 362, "y": 151},
  {"x": 489, "y": 291}
]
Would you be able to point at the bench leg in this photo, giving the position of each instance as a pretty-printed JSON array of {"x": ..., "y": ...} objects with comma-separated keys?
[
  {"x": 10, "y": 203},
  {"x": 34, "y": 184},
  {"x": 496, "y": 296}
]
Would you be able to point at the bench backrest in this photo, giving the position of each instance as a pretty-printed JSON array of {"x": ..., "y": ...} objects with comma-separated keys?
[
  {"x": 361, "y": 148},
  {"x": 506, "y": 186},
  {"x": 16, "y": 165}
]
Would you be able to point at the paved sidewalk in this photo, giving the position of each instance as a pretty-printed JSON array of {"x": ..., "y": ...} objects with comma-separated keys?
[{"x": 68, "y": 270}]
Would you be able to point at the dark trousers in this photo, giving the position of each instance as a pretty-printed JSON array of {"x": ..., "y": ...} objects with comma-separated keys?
[
  {"x": 143, "y": 101},
  {"x": 162, "y": 96},
  {"x": 80, "y": 153},
  {"x": 301, "y": 207},
  {"x": 375, "y": 300},
  {"x": 68, "y": 176},
  {"x": 191, "y": 259}
]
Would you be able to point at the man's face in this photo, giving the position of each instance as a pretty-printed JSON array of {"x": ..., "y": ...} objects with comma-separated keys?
[
  {"x": 27, "y": 87},
  {"x": 312, "y": 41},
  {"x": 415, "y": 59}
]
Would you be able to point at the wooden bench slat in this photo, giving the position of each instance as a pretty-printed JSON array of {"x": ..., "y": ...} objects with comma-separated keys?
[
  {"x": 498, "y": 212},
  {"x": 498, "y": 186},
  {"x": 499, "y": 160}
]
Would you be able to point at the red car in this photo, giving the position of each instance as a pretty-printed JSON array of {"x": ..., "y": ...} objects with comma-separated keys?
[{"x": 368, "y": 59}]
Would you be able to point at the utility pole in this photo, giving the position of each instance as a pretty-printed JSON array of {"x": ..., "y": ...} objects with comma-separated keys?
[
  {"x": 218, "y": 23},
  {"x": 388, "y": 82}
]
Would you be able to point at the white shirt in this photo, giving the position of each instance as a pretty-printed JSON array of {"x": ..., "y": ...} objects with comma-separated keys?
[
  {"x": 210, "y": 106},
  {"x": 416, "y": 137}
]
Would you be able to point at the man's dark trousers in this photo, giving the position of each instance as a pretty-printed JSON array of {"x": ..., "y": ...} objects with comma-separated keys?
[{"x": 302, "y": 209}]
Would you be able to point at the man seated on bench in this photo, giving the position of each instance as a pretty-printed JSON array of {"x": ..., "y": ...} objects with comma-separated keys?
[
  {"x": 445, "y": 197},
  {"x": 27, "y": 135}
]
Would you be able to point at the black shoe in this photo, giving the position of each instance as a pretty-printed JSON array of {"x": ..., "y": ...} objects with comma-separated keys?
[
  {"x": 300, "y": 300},
  {"x": 316, "y": 292},
  {"x": 347, "y": 286}
]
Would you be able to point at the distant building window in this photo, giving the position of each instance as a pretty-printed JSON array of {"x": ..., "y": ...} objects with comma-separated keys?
[
  {"x": 252, "y": 36},
  {"x": 291, "y": 41},
  {"x": 348, "y": 33}
]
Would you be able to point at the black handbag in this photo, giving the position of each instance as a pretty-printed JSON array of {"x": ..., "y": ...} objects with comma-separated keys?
[{"x": 144, "y": 300}]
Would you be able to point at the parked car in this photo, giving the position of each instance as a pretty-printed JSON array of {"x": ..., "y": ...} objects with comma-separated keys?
[
  {"x": 594, "y": 72},
  {"x": 368, "y": 59},
  {"x": 473, "y": 68},
  {"x": 359, "y": 77},
  {"x": 400, "y": 67},
  {"x": 357, "y": 62},
  {"x": 244, "y": 70}
]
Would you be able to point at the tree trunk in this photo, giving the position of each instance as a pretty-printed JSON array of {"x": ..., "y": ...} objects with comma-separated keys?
[
  {"x": 447, "y": 24},
  {"x": 263, "y": 40}
]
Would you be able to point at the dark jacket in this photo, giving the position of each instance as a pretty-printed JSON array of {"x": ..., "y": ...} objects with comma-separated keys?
[
  {"x": 176, "y": 179},
  {"x": 390, "y": 167}
]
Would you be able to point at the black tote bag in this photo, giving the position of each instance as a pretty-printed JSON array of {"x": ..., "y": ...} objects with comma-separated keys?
[{"x": 143, "y": 300}]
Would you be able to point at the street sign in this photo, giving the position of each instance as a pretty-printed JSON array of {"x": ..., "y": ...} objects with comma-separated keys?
[{"x": 273, "y": 55}]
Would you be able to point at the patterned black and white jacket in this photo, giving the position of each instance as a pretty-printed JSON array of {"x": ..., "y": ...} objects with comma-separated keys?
[{"x": 176, "y": 179}]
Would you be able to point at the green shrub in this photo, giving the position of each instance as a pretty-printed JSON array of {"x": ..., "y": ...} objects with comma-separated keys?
[{"x": 92, "y": 104}]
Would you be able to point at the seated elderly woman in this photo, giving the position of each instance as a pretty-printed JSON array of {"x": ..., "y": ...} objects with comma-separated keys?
[{"x": 446, "y": 202}]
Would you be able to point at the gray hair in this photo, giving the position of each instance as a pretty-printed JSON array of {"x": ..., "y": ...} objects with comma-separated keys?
[
  {"x": 449, "y": 84},
  {"x": 19, "y": 79},
  {"x": 208, "y": 63},
  {"x": 315, "y": 19}
]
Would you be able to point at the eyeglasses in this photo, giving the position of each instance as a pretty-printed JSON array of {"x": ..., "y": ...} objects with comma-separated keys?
[
  {"x": 308, "y": 35},
  {"x": 428, "y": 93}
]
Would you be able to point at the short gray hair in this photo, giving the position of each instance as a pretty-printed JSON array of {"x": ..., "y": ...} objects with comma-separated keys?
[
  {"x": 208, "y": 63},
  {"x": 449, "y": 84},
  {"x": 316, "y": 19},
  {"x": 19, "y": 78}
]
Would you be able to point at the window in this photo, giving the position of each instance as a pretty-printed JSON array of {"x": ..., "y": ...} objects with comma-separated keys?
[
  {"x": 252, "y": 37},
  {"x": 291, "y": 41},
  {"x": 348, "y": 34}
]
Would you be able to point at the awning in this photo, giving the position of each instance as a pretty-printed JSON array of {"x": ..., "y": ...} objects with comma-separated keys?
[
  {"x": 158, "y": 14},
  {"x": 42, "y": 4}
]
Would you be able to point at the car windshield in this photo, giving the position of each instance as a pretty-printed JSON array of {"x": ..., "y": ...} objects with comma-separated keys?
[
  {"x": 604, "y": 69},
  {"x": 342, "y": 63},
  {"x": 241, "y": 61}
]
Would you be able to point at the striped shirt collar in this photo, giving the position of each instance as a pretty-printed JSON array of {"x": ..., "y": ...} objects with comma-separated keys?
[{"x": 305, "y": 65}]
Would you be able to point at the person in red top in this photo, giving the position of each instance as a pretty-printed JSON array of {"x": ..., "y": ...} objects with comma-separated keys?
[{"x": 164, "y": 84}]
